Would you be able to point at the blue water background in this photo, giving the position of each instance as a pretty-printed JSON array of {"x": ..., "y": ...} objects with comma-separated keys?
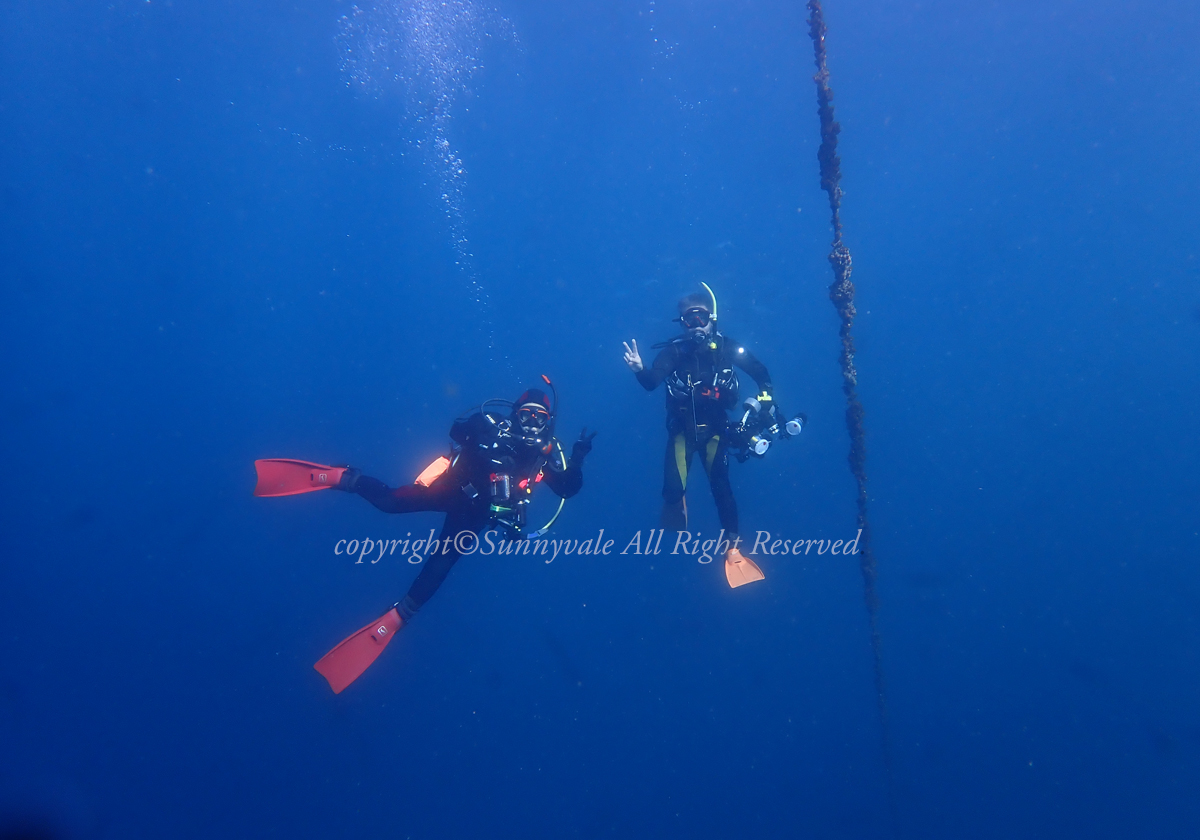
[{"x": 215, "y": 248}]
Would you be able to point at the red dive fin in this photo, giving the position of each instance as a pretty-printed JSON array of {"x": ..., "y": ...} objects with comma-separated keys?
[
  {"x": 740, "y": 569},
  {"x": 287, "y": 477},
  {"x": 346, "y": 662}
]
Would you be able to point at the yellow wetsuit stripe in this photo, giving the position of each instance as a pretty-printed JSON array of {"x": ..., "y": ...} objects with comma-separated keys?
[
  {"x": 681, "y": 459},
  {"x": 712, "y": 452}
]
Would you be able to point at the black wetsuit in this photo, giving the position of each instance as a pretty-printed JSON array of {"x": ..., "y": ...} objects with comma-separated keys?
[
  {"x": 701, "y": 387},
  {"x": 463, "y": 492}
]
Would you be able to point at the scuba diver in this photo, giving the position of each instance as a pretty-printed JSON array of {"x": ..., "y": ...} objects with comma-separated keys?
[
  {"x": 698, "y": 370},
  {"x": 499, "y": 457}
]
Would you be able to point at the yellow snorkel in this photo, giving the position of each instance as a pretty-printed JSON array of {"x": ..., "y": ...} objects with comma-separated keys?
[
  {"x": 711, "y": 344},
  {"x": 713, "y": 296}
]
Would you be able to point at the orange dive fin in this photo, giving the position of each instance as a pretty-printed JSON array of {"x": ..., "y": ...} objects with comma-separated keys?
[
  {"x": 346, "y": 662},
  {"x": 740, "y": 569},
  {"x": 287, "y": 477}
]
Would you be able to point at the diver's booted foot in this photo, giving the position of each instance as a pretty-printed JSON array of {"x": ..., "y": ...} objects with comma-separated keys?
[{"x": 740, "y": 569}]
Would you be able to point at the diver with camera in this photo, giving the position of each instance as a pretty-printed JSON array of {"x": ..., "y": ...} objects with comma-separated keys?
[{"x": 698, "y": 369}]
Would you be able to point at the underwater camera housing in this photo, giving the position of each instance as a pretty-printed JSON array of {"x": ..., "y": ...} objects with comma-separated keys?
[{"x": 760, "y": 427}]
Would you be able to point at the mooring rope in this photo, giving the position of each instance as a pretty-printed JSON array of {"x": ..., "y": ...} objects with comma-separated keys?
[{"x": 841, "y": 292}]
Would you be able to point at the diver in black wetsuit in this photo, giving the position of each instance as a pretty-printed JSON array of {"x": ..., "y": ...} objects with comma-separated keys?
[
  {"x": 698, "y": 370},
  {"x": 501, "y": 457}
]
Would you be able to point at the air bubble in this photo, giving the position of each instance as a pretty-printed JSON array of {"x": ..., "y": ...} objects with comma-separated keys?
[{"x": 428, "y": 49}]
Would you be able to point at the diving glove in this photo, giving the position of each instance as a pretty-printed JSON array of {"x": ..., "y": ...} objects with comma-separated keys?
[{"x": 582, "y": 446}]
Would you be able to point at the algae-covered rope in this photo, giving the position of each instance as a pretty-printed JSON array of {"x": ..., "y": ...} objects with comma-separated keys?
[{"x": 841, "y": 292}]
